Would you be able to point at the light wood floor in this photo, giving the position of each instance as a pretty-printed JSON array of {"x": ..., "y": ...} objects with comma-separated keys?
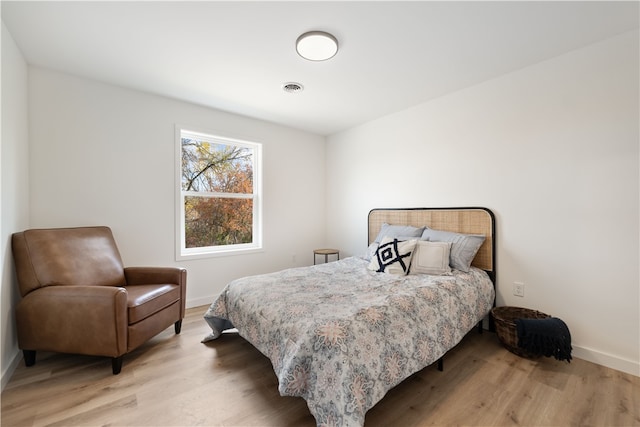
[{"x": 178, "y": 381}]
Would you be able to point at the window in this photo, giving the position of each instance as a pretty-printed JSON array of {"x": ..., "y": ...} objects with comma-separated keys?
[{"x": 219, "y": 195}]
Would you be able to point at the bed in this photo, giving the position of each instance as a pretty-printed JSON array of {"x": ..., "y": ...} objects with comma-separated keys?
[{"x": 342, "y": 334}]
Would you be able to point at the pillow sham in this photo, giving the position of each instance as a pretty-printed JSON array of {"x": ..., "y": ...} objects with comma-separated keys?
[
  {"x": 371, "y": 251},
  {"x": 431, "y": 258},
  {"x": 393, "y": 256},
  {"x": 464, "y": 247},
  {"x": 388, "y": 230}
]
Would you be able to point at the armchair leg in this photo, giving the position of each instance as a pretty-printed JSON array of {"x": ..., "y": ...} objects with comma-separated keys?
[
  {"x": 178, "y": 326},
  {"x": 29, "y": 357},
  {"x": 116, "y": 365}
]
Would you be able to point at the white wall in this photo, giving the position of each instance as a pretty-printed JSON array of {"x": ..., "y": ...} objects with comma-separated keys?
[
  {"x": 14, "y": 178},
  {"x": 553, "y": 150},
  {"x": 102, "y": 154}
]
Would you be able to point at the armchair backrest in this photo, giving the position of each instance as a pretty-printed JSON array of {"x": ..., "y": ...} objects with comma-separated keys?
[{"x": 67, "y": 256}]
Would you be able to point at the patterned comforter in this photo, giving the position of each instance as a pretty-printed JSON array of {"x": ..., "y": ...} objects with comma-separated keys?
[{"x": 340, "y": 336}]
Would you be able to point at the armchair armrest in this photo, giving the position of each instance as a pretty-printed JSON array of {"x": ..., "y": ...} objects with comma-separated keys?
[
  {"x": 155, "y": 275},
  {"x": 159, "y": 275},
  {"x": 74, "y": 319}
]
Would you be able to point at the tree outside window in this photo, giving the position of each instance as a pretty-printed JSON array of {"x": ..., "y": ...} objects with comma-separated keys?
[{"x": 219, "y": 197}]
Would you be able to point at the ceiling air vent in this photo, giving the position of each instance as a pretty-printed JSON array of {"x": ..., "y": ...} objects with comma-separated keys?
[{"x": 292, "y": 87}]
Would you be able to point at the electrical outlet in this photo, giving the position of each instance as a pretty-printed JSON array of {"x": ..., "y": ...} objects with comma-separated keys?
[{"x": 518, "y": 289}]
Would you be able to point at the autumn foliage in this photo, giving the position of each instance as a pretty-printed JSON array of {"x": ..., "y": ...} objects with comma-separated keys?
[{"x": 217, "y": 183}]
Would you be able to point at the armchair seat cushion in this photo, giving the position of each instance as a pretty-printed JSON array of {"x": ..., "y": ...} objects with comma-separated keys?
[{"x": 146, "y": 300}]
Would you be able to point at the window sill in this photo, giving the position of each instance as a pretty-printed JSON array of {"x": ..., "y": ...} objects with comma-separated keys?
[{"x": 220, "y": 253}]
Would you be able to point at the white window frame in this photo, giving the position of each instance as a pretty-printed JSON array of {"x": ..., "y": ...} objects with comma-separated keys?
[{"x": 184, "y": 253}]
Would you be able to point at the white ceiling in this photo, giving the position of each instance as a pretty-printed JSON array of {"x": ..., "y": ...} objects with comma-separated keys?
[{"x": 235, "y": 56}]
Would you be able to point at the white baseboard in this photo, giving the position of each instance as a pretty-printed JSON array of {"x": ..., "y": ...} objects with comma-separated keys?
[
  {"x": 8, "y": 373},
  {"x": 610, "y": 361},
  {"x": 204, "y": 301}
]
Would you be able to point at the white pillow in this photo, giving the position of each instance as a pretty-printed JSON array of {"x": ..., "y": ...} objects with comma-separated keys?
[
  {"x": 393, "y": 256},
  {"x": 463, "y": 249},
  {"x": 431, "y": 258}
]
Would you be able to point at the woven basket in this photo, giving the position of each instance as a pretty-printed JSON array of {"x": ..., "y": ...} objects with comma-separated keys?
[{"x": 506, "y": 327}]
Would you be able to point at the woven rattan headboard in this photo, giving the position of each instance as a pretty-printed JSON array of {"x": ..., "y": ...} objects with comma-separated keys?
[{"x": 461, "y": 220}]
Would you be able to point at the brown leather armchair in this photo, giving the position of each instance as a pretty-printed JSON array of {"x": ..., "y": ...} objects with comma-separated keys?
[{"x": 77, "y": 297}]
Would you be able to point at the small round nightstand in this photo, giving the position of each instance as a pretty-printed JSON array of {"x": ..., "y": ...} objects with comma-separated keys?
[{"x": 326, "y": 253}]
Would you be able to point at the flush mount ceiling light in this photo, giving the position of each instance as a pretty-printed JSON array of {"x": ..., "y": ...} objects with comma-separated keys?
[{"x": 317, "y": 46}]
